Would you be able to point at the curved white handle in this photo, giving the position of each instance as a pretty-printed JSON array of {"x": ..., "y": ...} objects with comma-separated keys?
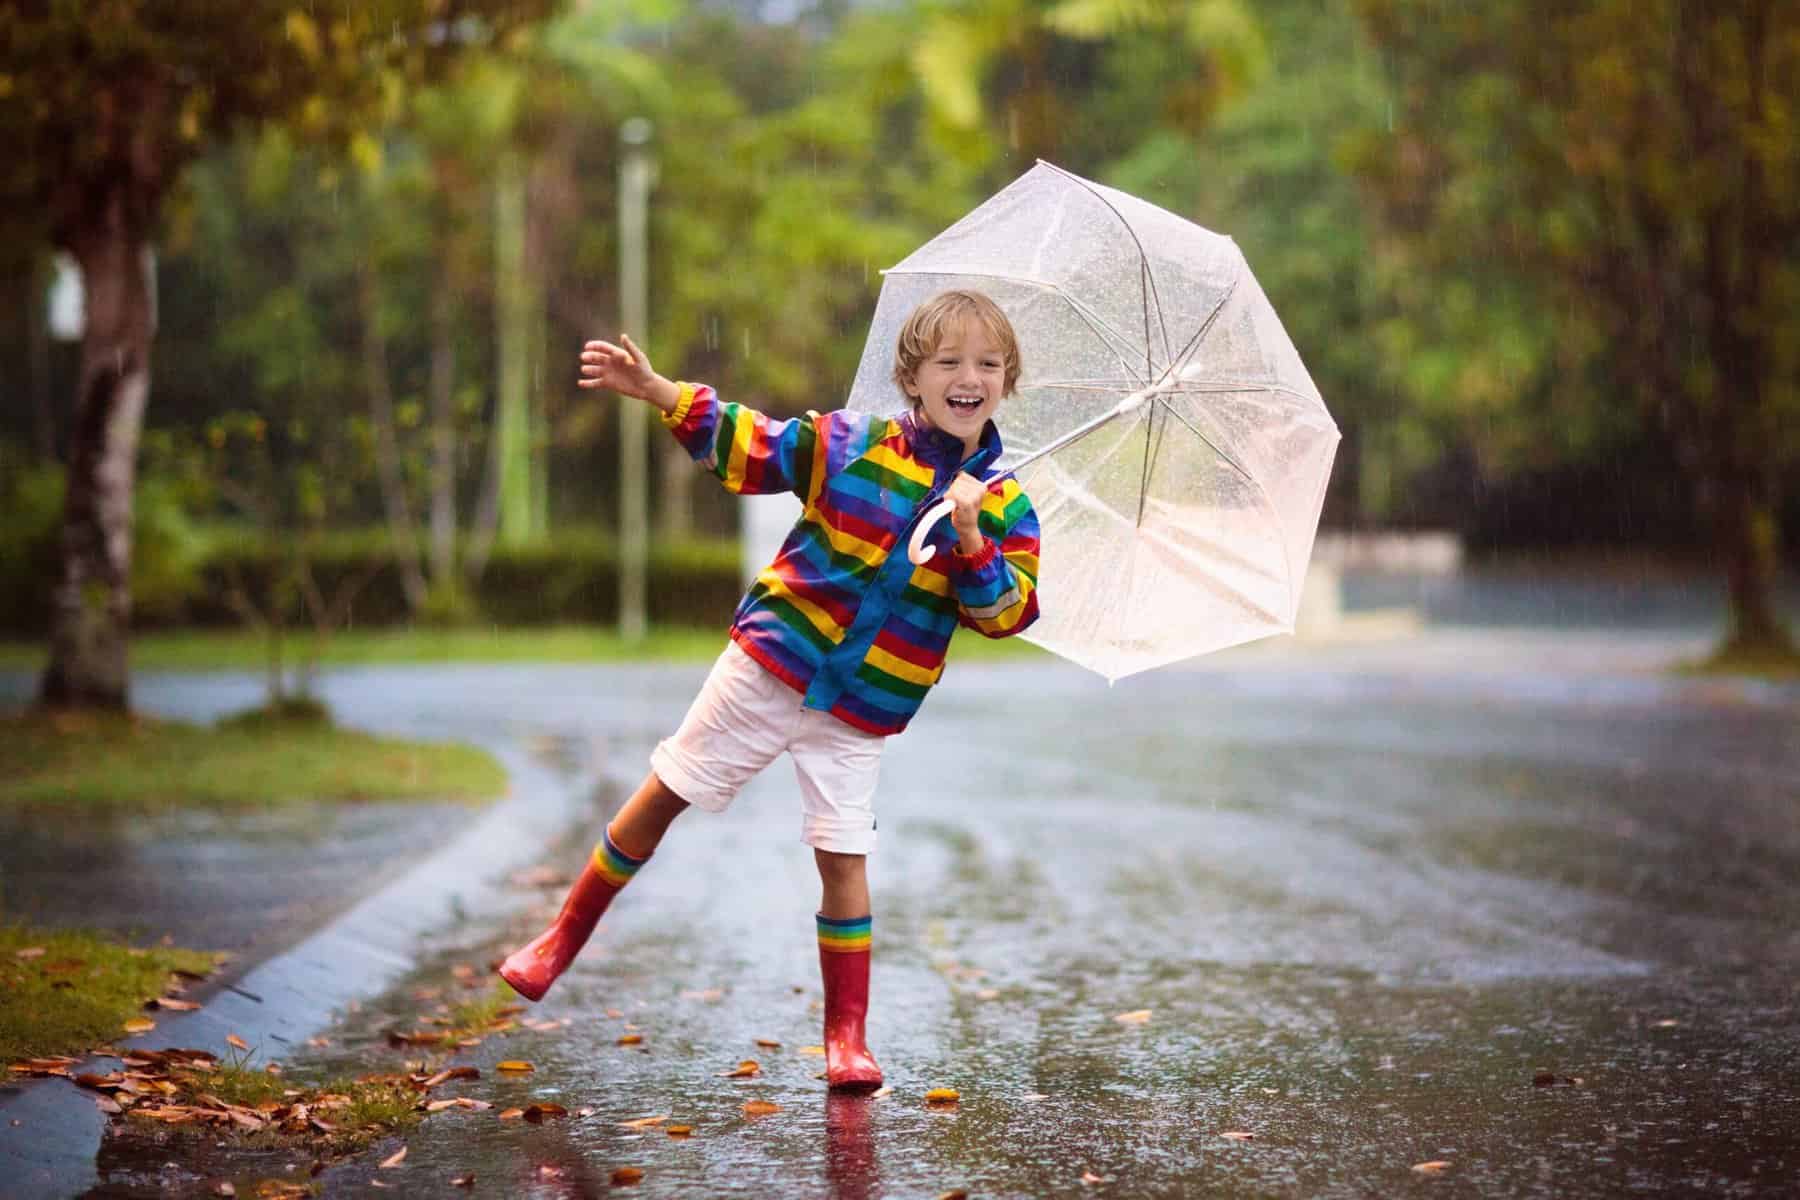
[{"x": 916, "y": 549}]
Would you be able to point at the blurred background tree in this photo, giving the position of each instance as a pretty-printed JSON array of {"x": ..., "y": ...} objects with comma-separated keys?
[
  {"x": 106, "y": 105},
  {"x": 1601, "y": 204}
]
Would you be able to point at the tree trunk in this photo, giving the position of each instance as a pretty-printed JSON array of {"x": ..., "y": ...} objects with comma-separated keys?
[
  {"x": 512, "y": 421},
  {"x": 91, "y": 598},
  {"x": 388, "y": 467},
  {"x": 443, "y": 436},
  {"x": 1750, "y": 534}
]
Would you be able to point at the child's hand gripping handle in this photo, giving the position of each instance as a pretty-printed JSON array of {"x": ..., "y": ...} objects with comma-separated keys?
[{"x": 916, "y": 549}]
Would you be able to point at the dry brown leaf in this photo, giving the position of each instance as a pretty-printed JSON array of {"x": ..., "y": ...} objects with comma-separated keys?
[
  {"x": 954, "y": 1194},
  {"x": 679, "y": 1131},
  {"x": 760, "y": 1108},
  {"x": 462, "y": 1181},
  {"x": 89, "y": 1080},
  {"x": 449, "y": 1073},
  {"x": 630, "y": 1039},
  {"x": 942, "y": 1096},
  {"x": 768, "y": 1043},
  {"x": 30, "y": 952},
  {"x": 138, "y": 1025},
  {"x": 224, "y": 1188},
  {"x": 644, "y": 1122},
  {"x": 1238, "y": 1135},
  {"x": 1089, "y": 1177},
  {"x": 510, "y": 1114},
  {"x": 818, "y": 1050},
  {"x": 535, "y": 1113},
  {"x": 514, "y": 1065},
  {"x": 394, "y": 1159},
  {"x": 233, "y": 1039},
  {"x": 744, "y": 1070},
  {"x": 108, "y": 1105},
  {"x": 435, "y": 1106},
  {"x": 707, "y": 995},
  {"x": 1133, "y": 1018},
  {"x": 377, "y": 1183},
  {"x": 614, "y": 1013},
  {"x": 624, "y": 1176},
  {"x": 1436, "y": 1166},
  {"x": 988, "y": 994},
  {"x": 886, "y": 1089}
]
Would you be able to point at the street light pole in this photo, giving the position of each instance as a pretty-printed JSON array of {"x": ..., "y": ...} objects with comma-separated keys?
[{"x": 637, "y": 173}]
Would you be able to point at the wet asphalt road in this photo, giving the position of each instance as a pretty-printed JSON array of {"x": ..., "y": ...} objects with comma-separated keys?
[{"x": 1364, "y": 908}]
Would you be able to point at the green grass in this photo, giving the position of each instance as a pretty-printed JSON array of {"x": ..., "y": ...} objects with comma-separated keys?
[
  {"x": 221, "y": 650},
  {"x": 130, "y": 763},
  {"x": 79, "y": 993}
]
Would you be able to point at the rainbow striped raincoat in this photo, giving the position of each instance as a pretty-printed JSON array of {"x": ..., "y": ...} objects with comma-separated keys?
[{"x": 841, "y": 615}]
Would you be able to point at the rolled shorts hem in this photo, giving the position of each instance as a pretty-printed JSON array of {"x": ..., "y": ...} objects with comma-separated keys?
[
  {"x": 838, "y": 837},
  {"x": 682, "y": 782}
]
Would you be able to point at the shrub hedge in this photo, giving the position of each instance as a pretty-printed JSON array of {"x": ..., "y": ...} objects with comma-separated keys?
[{"x": 571, "y": 578}]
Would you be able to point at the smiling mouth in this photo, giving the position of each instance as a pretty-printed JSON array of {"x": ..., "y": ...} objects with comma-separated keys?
[{"x": 960, "y": 404}]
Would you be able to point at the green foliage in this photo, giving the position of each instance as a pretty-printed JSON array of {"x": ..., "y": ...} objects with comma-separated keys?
[{"x": 166, "y": 545}]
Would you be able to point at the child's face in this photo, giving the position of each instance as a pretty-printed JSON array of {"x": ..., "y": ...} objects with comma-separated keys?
[{"x": 959, "y": 386}]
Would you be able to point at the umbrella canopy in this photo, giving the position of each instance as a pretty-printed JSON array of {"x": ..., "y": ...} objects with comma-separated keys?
[{"x": 1164, "y": 428}]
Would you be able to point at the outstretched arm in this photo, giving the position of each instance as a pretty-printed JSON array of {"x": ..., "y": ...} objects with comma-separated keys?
[
  {"x": 995, "y": 567},
  {"x": 626, "y": 369}
]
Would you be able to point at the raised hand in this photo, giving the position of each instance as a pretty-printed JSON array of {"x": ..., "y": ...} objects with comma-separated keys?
[{"x": 625, "y": 369}]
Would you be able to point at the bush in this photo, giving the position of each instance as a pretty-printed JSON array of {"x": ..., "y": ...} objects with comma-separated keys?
[{"x": 166, "y": 548}]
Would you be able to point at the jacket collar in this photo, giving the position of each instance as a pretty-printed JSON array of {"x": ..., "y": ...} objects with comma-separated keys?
[{"x": 939, "y": 450}]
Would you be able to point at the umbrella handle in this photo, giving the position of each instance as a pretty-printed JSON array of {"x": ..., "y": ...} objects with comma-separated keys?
[{"x": 916, "y": 549}]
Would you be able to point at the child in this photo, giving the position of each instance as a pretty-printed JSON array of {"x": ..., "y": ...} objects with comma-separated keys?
[{"x": 838, "y": 640}]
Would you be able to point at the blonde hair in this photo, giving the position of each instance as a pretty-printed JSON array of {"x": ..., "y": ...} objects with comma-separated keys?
[{"x": 926, "y": 327}]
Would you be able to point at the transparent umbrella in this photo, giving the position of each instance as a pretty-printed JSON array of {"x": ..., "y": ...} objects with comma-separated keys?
[{"x": 1172, "y": 443}]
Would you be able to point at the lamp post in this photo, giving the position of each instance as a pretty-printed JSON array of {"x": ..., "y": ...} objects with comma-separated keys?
[{"x": 637, "y": 174}]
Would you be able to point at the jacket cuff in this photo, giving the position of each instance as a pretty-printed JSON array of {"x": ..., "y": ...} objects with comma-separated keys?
[
  {"x": 676, "y": 417},
  {"x": 977, "y": 560}
]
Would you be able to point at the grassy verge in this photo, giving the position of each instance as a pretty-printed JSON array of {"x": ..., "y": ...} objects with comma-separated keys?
[
  {"x": 221, "y": 650},
  {"x": 66, "y": 991},
  {"x": 132, "y": 763}
]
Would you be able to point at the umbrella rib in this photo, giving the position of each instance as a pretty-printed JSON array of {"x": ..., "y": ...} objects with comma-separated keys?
[
  {"x": 1147, "y": 279},
  {"x": 1109, "y": 337},
  {"x": 1205, "y": 326},
  {"x": 1239, "y": 468}
]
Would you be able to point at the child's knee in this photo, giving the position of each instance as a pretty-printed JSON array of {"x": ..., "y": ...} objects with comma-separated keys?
[{"x": 835, "y": 866}]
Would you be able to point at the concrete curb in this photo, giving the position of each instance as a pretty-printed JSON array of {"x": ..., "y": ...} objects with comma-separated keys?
[{"x": 50, "y": 1130}]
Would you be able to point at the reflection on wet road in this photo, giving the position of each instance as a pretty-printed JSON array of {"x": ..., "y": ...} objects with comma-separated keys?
[{"x": 1543, "y": 932}]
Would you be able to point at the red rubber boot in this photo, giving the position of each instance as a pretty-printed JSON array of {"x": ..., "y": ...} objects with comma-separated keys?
[
  {"x": 844, "y": 965},
  {"x": 532, "y": 969}
]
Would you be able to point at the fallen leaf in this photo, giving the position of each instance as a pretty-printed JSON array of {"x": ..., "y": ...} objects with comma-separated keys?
[
  {"x": 614, "y": 1013},
  {"x": 515, "y": 1065},
  {"x": 433, "y": 1106},
  {"x": 644, "y": 1122},
  {"x": 954, "y": 1194},
  {"x": 535, "y": 1113},
  {"x": 709, "y": 995},
  {"x": 1666, "y": 1023},
  {"x": 942, "y": 1096},
  {"x": 885, "y": 1089},
  {"x": 768, "y": 1043},
  {"x": 630, "y": 1039},
  {"x": 1543, "y": 1079},
  {"x": 138, "y": 1025},
  {"x": 29, "y": 952},
  {"x": 462, "y": 1181},
  {"x": 744, "y": 1070},
  {"x": 624, "y": 1176},
  {"x": 1133, "y": 1018},
  {"x": 394, "y": 1159},
  {"x": 224, "y": 1188},
  {"x": 1436, "y": 1166},
  {"x": 1238, "y": 1135},
  {"x": 379, "y": 1184},
  {"x": 510, "y": 1114},
  {"x": 988, "y": 994},
  {"x": 760, "y": 1108},
  {"x": 108, "y": 1105},
  {"x": 819, "y": 1050},
  {"x": 174, "y": 1005},
  {"x": 679, "y": 1131},
  {"x": 450, "y": 1073},
  {"x": 233, "y": 1039},
  {"x": 1089, "y": 1177}
]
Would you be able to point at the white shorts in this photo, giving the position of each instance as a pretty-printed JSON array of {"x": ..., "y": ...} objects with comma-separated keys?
[{"x": 741, "y": 721}]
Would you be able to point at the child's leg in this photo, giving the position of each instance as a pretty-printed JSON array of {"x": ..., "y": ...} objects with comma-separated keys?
[
  {"x": 845, "y": 928},
  {"x": 628, "y": 842}
]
